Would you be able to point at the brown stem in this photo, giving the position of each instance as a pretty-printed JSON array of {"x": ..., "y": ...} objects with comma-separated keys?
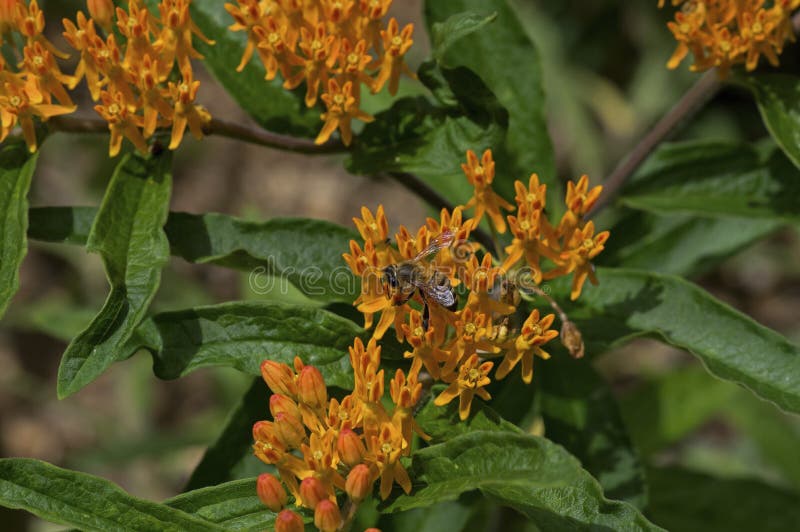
[
  {"x": 257, "y": 136},
  {"x": 691, "y": 102}
]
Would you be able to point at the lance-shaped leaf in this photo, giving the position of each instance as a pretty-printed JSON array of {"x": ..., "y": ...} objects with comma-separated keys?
[
  {"x": 580, "y": 413},
  {"x": 503, "y": 56},
  {"x": 16, "y": 170},
  {"x": 531, "y": 475},
  {"x": 242, "y": 335},
  {"x": 306, "y": 253},
  {"x": 680, "y": 244},
  {"x": 446, "y": 34},
  {"x": 85, "y": 501},
  {"x": 430, "y": 139},
  {"x": 128, "y": 234},
  {"x": 631, "y": 303},
  {"x": 272, "y": 106},
  {"x": 718, "y": 179},
  {"x": 231, "y": 506},
  {"x": 778, "y": 97}
]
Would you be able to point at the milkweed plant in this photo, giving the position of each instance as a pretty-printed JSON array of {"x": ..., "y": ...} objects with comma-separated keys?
[{"x": 439, "y": 375}]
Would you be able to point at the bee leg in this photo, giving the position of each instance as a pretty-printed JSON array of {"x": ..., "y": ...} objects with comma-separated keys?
[
  {"x": 426, "y": 313},
  {"x": 454, "y": 306}
]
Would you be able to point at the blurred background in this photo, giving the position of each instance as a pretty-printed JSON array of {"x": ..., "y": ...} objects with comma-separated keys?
[{"x": 606, "y": 83}]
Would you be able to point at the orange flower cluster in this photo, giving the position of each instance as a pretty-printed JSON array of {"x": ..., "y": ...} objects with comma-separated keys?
[
  {"x": 29, "y": 88},
  {"x": 132, "y": 83},
  {"x": 723, "y": 33},
  {"x": 453, "y": 344},
  {"x": 346, "y": 446},
  {"x": 334, "y": 46}
]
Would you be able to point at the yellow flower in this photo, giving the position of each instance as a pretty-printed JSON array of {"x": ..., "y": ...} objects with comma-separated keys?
[
  {"x": 480, "y": 174},
  {"x": 472, "y": 377},
  {"x": 535, "y": 333}
]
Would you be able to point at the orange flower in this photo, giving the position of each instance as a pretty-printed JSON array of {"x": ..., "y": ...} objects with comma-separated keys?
[
  {"x": 83, "y": 38},
  {"x": 472, "y": 377},
  {"x": 18, "y": 106},
  {"x": 47, "y": 79},
  {"x": 186, "y": 112},
  {"x": 319, "y": 55},
  {"x": 395, "y": 45},
  {"x": 535, "y": 333},
  {"x": 342, "y": 109},
  {"x": 480, "y": 175},
  {"x": 426, "y": 345},
  {"x": 582, "y": 246},
  {"x": 122, "y": 121},
  {"x": 386, "y": 449},
  {"x": 102, "y": 12},
  {"x": 175, "y": 39}
]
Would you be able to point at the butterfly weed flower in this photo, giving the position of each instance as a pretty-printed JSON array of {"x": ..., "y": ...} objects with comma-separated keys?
[
  {"x": 30, "y": 89},
  {"x": 725, "y": 33},
  {"x": 131, "y": 79},
  {"x": 337, "y": 48}
]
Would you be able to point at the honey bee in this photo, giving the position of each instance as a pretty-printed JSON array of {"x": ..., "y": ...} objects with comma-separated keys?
[{"x": 409, "y": 277}]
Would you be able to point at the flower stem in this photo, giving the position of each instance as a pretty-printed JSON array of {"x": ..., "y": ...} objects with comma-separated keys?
[{"x": 692, "y": 101}]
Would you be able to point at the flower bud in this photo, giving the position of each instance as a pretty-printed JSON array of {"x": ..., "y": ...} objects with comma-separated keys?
[
  {"x": 350, "y": 448},
  {"x": 271, "y": 492},
  {"x": 311, "y": 388},
  {"x": 280, "y": 403},
  {"x": 279, "y": 378},
  {"x": 289, "y": 521},
  {"x": 289, "y": 430},
  {"x": 372, "y": 529},
  {"x": 359, "y": 483},
  {"x": 313, "y": 491},
  {"x": 102, "y": 11},
  {"x": 327, "y": 516},
  {"x": 572, "y": 339}
]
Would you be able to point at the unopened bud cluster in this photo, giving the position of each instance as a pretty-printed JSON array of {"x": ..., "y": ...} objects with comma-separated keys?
[{"x": 344, "y": 447}]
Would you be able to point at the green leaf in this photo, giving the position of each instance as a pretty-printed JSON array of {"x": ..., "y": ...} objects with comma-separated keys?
[
  {"x": 581, "y": 413},
  {"x": 272, "y": 106},
  {"x": 503, "y": 56},
  {"x": 67, "y": 225},
  {"x": 231, "y": 506},
  {"x": 442, "y": 423},
  {"x": 128, "y": 233},
  {"x": 680, "y": 244},
  {"x": 445, "y": 34},
  {"x": 306, "y": 253},
  {"x": 718, "y": 179},
  {"x": 778, "y": 97},
  {"x": 631, "y": 303},
  {"x": 16, "y": 170},
  {"x": 531, "y": 475},
  {"x": 235, "y": 440},
  {"x": 429, "y": 139},
  {"x": 84, "y": 501},
  {"x": 689, "y": 502},
  {"x": 243, "y": 335},
  {"x": 665, "y": 410}
]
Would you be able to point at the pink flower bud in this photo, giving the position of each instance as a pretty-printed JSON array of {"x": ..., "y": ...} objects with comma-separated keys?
[
  {"x": 359, "y": 483},
  {"x": 289, "y": 521},
  {"x": 289, "y": 430},
  {"x": 313, "y": 491},
  {"x": 350, "y": 448}
]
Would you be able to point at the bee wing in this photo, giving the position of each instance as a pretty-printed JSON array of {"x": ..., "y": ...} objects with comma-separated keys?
[
  {"x": 440, "y": 242},
  {"x": 443, "y": 295}
]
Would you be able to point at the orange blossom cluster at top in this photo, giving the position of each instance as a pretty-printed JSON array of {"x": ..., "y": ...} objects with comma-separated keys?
[
  {"x": 723, "y": 33},
  {"x": 334, "y": 46}
]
